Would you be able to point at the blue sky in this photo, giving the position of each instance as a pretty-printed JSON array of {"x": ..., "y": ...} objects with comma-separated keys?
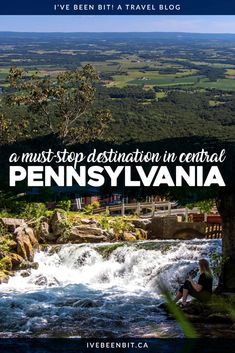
[{"x": 196, "y": 24}]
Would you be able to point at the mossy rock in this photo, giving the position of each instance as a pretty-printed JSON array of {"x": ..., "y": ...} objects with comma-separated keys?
[
  {"x": 141, "y": 234},
  {"x": 16, "y": 260},
  {"x": 7, "y": 243},
  {"x": 6, "y": 263},
  {"x": 219, "y": 318},
  {"x": 107, "y": 250},
  {"x": 9, "y": 273},
  {"x": 12, "y": 244},
  {"x": 128, "y": 236}
]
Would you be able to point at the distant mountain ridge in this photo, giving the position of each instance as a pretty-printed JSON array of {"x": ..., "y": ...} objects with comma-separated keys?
[{"x": 117, "y": 35}]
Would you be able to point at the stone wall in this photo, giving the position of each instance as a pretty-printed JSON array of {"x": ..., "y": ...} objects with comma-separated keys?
[{"x": 170, "y": 228}]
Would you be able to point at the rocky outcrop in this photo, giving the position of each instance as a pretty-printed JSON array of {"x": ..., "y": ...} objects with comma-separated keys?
[
  {"x": 88, "y": 230},
  {"x": 128, "y": 236},
  {"x": 141, "y": 234},
  {"x": 58, "y": 223},
  {"x": 32, "y": 238},
  {"x": 12, "y": 223},
  {"x": 83, "y": 234},
  {"x": 6, "y": 263},
  {"x": 26, "y": 242},
  {"x": 18, "y": 244},
  {"x": 141, "y": 223},
  {"x": 210, "y": 320},
  {"x": 43, "y": 230},
  {"x": 16, "y": 260},
  {"x": 90, "y": 221}
]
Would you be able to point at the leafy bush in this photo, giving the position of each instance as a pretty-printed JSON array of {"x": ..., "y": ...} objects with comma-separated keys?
[
  {"x": 90, "y": 208},
  {"x": 119, "y": 226},
  {"x": 48, "y": 213},
  {"x": 3, "y": 230},
  {"x": 217, "y": 262},
  {"x": 7, "y": 242},
  {"x": 204, "y": 206},
  {"x": 64, "y": 205},
  {"x": 33, "y": 210},
  {"x": 104, "y": 223}
]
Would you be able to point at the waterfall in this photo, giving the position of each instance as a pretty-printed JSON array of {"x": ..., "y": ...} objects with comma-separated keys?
[{"x": 91, "y": 282}]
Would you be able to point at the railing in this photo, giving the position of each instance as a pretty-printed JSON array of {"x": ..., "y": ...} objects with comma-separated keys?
[{"x": 138, "y": 208}]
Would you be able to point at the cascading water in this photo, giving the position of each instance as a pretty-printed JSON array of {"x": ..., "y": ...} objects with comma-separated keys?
[{"x": 102, "y": 290}]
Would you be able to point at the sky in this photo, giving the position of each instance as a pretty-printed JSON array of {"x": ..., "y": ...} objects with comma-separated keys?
[{"x": 193, "y": 24}]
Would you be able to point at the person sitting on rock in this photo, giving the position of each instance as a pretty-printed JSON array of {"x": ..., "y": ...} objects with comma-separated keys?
[{"x": 201, "y": 290}]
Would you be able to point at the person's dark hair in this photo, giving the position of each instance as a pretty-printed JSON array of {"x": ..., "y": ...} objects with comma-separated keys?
[{"x": 205, "y": 267}]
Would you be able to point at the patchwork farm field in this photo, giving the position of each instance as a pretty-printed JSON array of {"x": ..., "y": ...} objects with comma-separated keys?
[
  {"x": 153, "y": 79},
  {"x": 145, "y": 60}
]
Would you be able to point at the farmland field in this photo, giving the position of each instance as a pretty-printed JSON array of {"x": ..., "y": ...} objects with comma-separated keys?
[
  {"x": 152, "y": 59},
  {"x": 156, "y": 80}
]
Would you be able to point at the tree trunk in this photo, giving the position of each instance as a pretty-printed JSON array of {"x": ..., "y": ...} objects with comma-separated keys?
[{"x": 226, "y": 208}]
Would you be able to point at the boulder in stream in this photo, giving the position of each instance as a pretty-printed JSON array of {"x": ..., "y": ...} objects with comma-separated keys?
[
  {"x": 25, "y": 265},
  {"x": 85, "y": 303},
  {"x": 25, "y": 273}
]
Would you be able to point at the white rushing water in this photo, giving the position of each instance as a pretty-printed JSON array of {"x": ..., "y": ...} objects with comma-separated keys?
[{"x": 98, "y": 290}]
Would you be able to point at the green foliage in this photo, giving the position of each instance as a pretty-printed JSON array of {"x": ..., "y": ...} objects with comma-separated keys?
[
  {"x": 48, "y": 213},
  {"x": 5, "y": 243},
  {"x": 5, "y": 214},
  {"x": 33, "y": 210},
  {"x": 217, "y": 262},
  {"x": 119, "y": 226},
  {"x": 63, "y": 103},
  {"x": 60, "y": 210},
  {"x": 105, "y": 223},
  {"x": 64, "y": 205},
  {"x": 5, "y": 263},
  {"x": 91, "y": 207},
  {"x": 204, "y": 206},
  {"x": 64, "y": 224},
  {"x": 46, "y": 102},
  {"x": 220, "y": 304},
  {"x": 3, "y": 230},
  {"x": 140, "y": 235}
]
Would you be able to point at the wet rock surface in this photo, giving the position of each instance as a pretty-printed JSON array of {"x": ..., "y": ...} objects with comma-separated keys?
[{"x": 212, "y": 320}]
